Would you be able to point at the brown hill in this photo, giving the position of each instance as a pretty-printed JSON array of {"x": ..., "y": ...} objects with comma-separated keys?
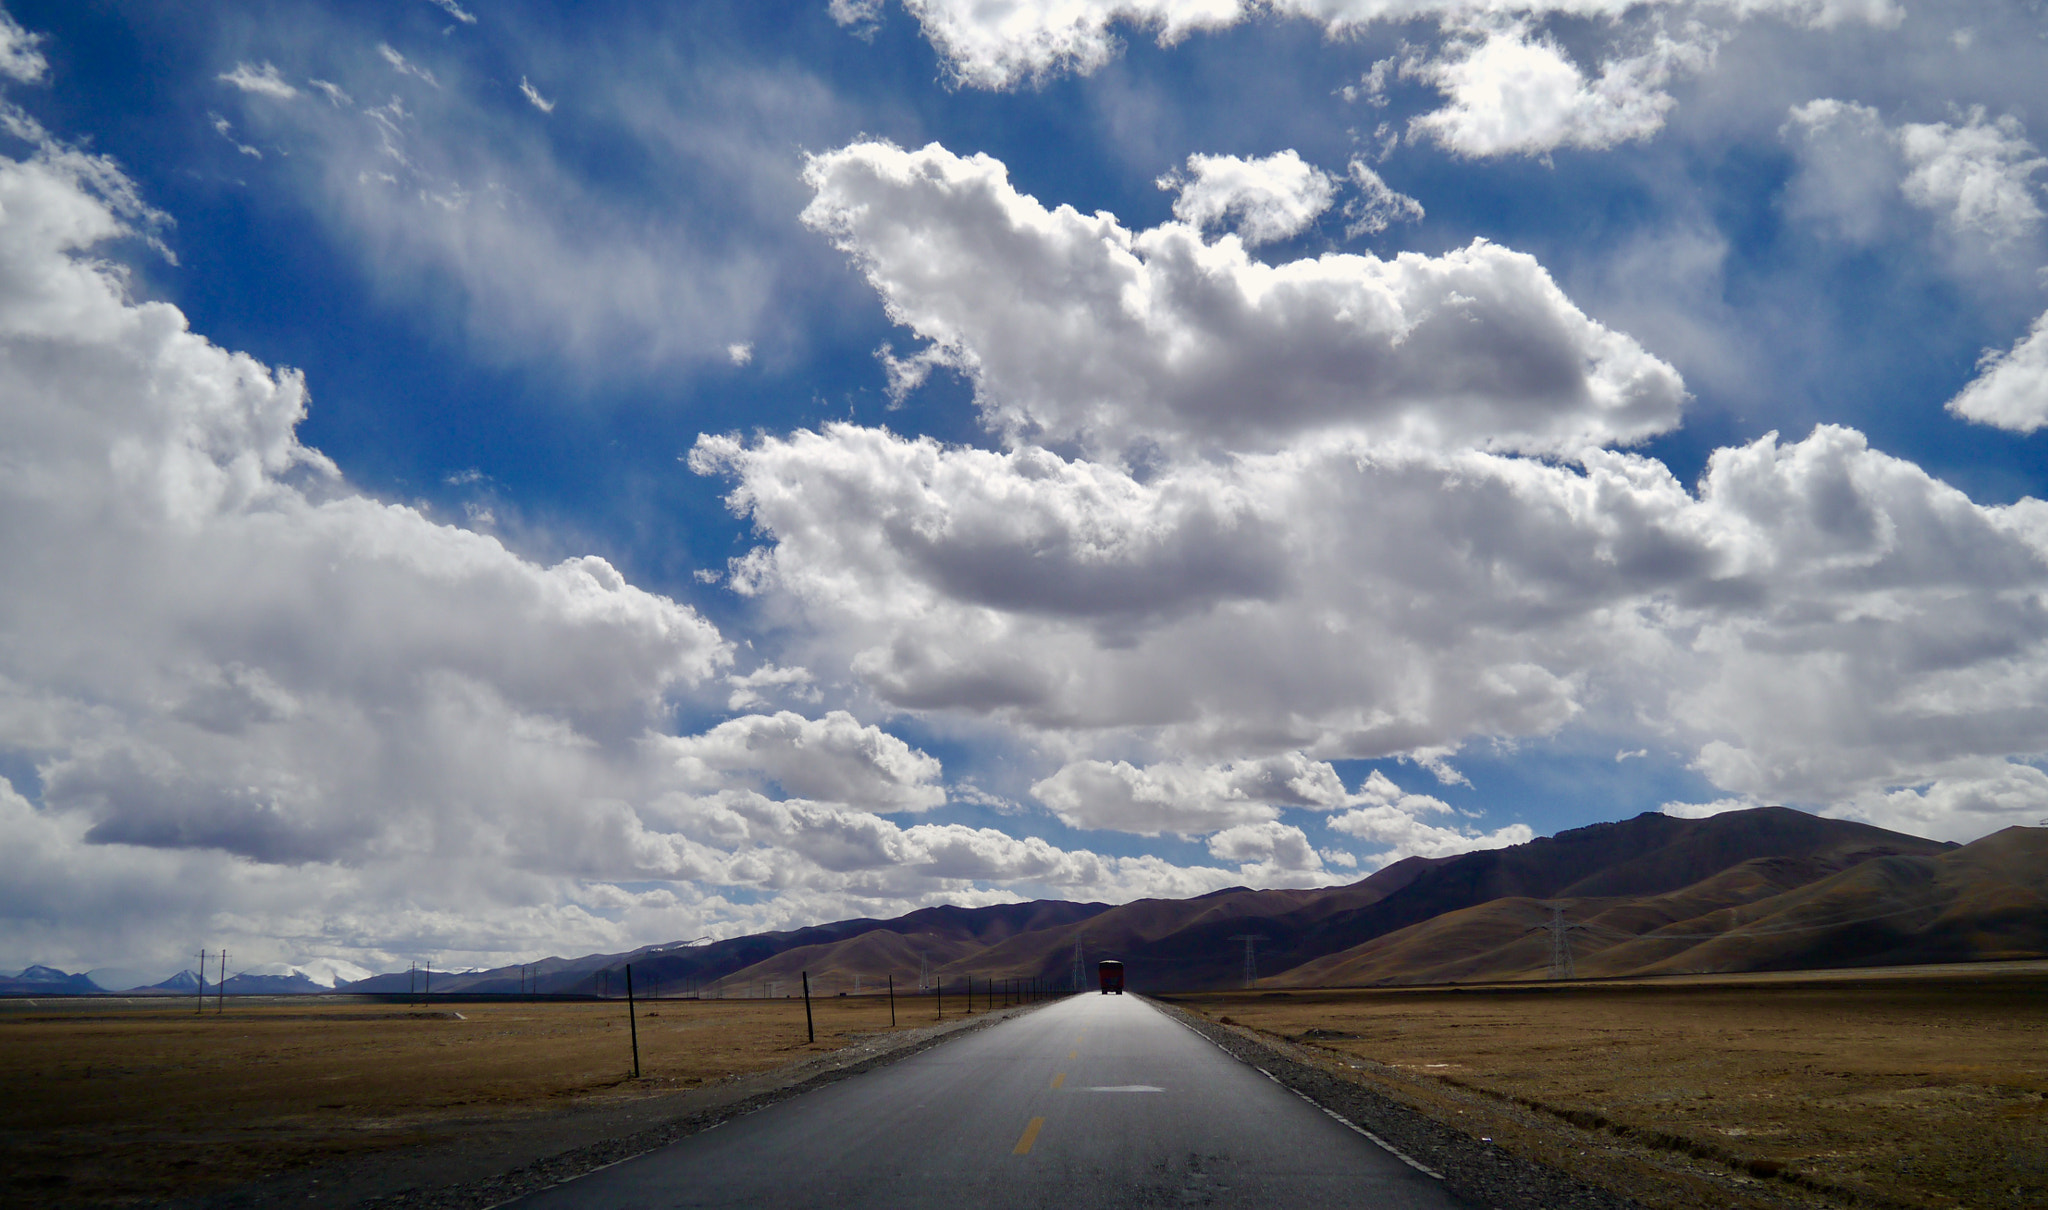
[
  {"x": 1846, "y": 908},
  {"x": 1662, "y": 885}
]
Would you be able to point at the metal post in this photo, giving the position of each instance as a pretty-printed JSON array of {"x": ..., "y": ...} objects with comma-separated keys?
[
  {"x": 810, "y": 1031},
  {"x": 892, "y": 1002},
  {"x": 632, "y": 1024},
  {"x": 201, "y": 1006},
  {"x": 220, "y": 1004}
]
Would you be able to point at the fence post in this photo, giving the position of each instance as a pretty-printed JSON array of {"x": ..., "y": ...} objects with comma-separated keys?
[
  {"x": 631, "y": 1023},
  {"x": 892, "y": 1002},
  {"x": 810, "y": 1033}
]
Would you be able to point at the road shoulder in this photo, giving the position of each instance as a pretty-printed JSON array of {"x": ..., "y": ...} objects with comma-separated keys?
[
  {"x": 1471, "y": 1167},
  {"x": 492, "y": 1161}
]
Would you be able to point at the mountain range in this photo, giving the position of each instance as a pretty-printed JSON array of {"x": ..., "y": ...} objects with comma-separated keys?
[
  {"x": 1761, "y": 889},
  {"x": 1766, "y": 888}
]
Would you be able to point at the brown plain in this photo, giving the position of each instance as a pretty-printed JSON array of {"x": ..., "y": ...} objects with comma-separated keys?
[
  {"x": 1906, "y": 1088},
  {"x": 110, "y": 1102}
]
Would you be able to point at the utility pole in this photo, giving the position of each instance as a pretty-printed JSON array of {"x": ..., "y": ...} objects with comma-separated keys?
[
  {"x": 201, "y": 1006},
  {"x": 632, "y": 1022},
  {"x": 810, "y": 1031},
  {"x": 220, "y": 1004},
  {"x": 1080, "y": 968},
  {"x": 1251, "y": 962}
]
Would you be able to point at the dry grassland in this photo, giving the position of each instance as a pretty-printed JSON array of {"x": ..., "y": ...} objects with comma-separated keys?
[
  {"x": 1913, "y": 1089},
  {"x": 105, "y": 1102}
]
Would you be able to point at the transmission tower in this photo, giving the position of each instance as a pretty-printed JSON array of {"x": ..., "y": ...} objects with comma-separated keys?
[
  {"x": 1560, "y": 931},
  {"x": 924, "y": 973},
  {"x": 1251, "y": 961},
  {"x": 1080, "y": 967}
]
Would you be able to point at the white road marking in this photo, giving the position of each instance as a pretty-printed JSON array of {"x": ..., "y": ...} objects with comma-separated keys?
[{"x": 1127, "y": 1088}]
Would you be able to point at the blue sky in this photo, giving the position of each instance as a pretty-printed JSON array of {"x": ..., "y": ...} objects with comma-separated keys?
[{"x": 489, "y": 480}]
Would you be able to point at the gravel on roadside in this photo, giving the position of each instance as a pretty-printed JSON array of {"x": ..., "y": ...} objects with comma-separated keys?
[{"x": 1484, "y": 1176}]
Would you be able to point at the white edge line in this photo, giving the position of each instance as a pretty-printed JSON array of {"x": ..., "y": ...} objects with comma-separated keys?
[{"x": 1339, "y": 1118}]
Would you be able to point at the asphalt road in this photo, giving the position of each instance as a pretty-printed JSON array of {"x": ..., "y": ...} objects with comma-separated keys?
[{"x": 1094, "y": 1101}]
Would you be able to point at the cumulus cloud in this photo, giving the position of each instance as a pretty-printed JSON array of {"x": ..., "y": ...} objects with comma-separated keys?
[
  {"x": 2011, "y": 387},
  {"x": 268, "y": 711},
  {"x": 1819, "y": 621},
  {"x": 1188, "y": 799},
  {"x": 1005, "y": 44},
  {"x": 1270, "y": 852},
  {"x": 1272, "y": 198},
  {"x": 265, "y": 80},
  {"x": 833, "y": 759},
  {"x": 1976, "y": 176},
  {"x": 19, "y": 57},
  {"x": 1513, "y": 91},
  {"x": 1075, "y": 328},
  {"x": 1388, "y": 815}
]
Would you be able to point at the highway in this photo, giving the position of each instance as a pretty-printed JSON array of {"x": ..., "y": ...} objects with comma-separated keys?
[{"x": 1094, "y": 1101}]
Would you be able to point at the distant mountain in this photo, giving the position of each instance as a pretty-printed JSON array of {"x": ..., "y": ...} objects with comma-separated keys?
[
  {"x": 294, "y": 984},
  {"x": 1985, "y": 900},
  {"x": 185, "y": 982},
  {"x": 1653, "y": 893},
  {"x": 47, "y": 981}
]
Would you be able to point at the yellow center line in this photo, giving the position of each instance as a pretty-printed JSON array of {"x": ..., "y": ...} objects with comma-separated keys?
[
  {"x": 1030, "y": 1137},
  {"x": 1072, "y": 1055},
  {"x": 1059, "y": 1079}
]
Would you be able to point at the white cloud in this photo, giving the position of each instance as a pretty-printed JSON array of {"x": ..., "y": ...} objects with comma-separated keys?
[
  {"x": 1377, "y": 206},
  {"x": 455, "y": 10},
  {"x": 1272, "y": 198},
  {"x": 333, "y": 92},
  {"x": 739, "y": 353},
  {"x": 1849, "y": 168},
  {"x": 268, "y": 712},
  {"x": 1074, "y": 328},
  {"x": 1977, "y": 175},
  {"x": 264, "y": 80},
  {"x": 1188, "y": 799},
  {"x": 404, "y": 66},
  {"x": 1387, "y": 815},
  {"x": 1515, "y": 92},
  {"x": 452, "y": 205},
  {"x": 1707, "y": 810},
  {"x": 19, "y": 57},
  {"x": 1821, "y": 622},
  {"x": 2011, "y": 387},
  {"x": 532, "y": 94},
  {"x": 1271, "y": 853},
  {"x": 861, "y": 15},
  {"x": 1009, "y": 42},
  {"x": 832, "y": 759}
]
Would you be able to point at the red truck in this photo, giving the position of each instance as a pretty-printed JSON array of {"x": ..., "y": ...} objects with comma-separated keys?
[{"x": 1111, "y": 973}]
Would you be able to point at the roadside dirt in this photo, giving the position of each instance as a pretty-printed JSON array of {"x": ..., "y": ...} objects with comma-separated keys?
[
  {"x": 106, "y": 1103},
  {"x": 1906, "y": 1089}
]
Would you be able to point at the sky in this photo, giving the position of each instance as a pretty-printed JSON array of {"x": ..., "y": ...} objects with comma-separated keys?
[{"x": 484, "y": 480}]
